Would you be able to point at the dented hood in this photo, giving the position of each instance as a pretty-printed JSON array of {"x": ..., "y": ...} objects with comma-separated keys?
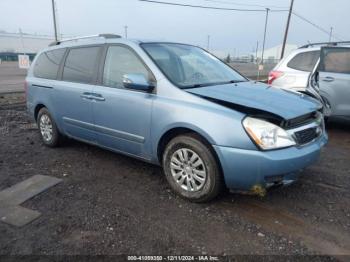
[{"x": 258, "y": 96}]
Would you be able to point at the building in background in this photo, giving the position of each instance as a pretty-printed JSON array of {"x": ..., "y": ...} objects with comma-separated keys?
[
  {"x": 12, "y": 44},
  {"x": 272, "y": 55}
]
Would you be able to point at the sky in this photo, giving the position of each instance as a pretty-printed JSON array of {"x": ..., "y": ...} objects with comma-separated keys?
[{"x": 233, "y": 32}]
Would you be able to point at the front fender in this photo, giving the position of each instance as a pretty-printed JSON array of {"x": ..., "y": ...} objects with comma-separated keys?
[{"x": 219, "y": 125}]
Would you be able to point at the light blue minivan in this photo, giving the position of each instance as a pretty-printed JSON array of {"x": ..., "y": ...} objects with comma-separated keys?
[{"x": 177, "y": 106}]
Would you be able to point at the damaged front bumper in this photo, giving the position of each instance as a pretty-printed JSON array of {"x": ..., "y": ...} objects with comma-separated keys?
[{"x": 254, "y": 170}]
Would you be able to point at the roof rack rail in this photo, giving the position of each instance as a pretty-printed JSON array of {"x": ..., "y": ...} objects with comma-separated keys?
[
  {"x": 325, "y": 43},
  {"x": 106, "y": 36}
]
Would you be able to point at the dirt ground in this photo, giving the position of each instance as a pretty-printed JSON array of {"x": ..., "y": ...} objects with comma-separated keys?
[{"x": 112, "y": 204}]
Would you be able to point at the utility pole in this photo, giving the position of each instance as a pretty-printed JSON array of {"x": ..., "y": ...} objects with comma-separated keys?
[
  {"x": 263, "y": 47},
  {"x": 256, "y": 52},
  {"x": 260, "y": 66},
  {"x": 208, "y": 42},
  {"x": 287, "y": 28},
  {"x": 21, "y": 36},
  {"x": 54, "y": 19},
  {"x": 126, "y": 31},
  {"x": 330, "y": 35}
]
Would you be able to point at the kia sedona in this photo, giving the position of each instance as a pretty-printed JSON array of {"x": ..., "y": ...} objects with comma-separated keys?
[{"x": 177, "y": 106}]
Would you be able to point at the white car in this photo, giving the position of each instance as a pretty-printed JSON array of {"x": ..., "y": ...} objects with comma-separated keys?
[{"x": 293, "y": 71}]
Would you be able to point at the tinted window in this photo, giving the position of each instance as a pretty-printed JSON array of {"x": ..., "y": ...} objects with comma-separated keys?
[
  {"x": 336, "y": 60},
  {"x": 304, "y": 61},
  {"x": 121, "y": 61},
  {"x": 80, "y": 64},
  {"x": 47, "y": 64}
]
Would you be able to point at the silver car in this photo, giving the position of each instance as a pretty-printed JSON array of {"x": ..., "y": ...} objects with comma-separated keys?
[
  {"x": 331, "y": 79},
  {"x": 321, "y": 67}
]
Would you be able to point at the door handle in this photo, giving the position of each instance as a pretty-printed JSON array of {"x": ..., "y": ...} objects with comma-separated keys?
[
  {"x": 86, "y": 96},
  {"x": 328, "y": 79},
  {"x": 97, "y": 97}
]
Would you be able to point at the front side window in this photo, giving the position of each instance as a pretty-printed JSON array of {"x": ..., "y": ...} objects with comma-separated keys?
[
  {"x": 189, "y": 66},
  {"x": 80, "y": 64},
  {"x": 305, "y": 61},
  {"x": 47, "y": 64},
  {"x": 336, "y": 60},
  {"x": 119, "y": 62}
]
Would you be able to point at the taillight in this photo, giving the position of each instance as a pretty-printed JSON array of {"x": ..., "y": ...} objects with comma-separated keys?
[{"x": 273, "y": 75}]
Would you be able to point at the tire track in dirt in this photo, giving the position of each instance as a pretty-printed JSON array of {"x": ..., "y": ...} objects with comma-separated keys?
[{"x": 320, "y": 240}]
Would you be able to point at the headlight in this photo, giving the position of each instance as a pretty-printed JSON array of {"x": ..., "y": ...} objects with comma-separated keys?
[{"x": 267, "y": 135}]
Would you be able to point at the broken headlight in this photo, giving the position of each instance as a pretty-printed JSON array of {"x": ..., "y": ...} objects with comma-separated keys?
[{"x": 267, "y": 135}]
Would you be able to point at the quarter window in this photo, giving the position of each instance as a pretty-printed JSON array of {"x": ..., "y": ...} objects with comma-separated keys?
[
  {"x": 80, "y": 64},
  {"x": 47, "y": 64},
  {"x": 120, "y": 61},
  {"x": 305, "y": 61}
]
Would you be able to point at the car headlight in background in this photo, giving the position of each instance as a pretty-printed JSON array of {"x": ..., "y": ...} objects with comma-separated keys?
[{"x": 267, "y": 135}]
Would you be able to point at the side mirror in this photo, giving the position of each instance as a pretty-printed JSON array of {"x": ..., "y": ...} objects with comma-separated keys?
[{"x": 137, "y": 82}]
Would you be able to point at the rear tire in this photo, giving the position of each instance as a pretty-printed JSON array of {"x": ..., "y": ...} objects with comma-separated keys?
[
  {"x": 191, "y": 169},
  {"x": 49, "y": 132}
]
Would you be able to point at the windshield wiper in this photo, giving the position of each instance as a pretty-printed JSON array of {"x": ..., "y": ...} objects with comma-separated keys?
[
  {"x": 237, "y": 81},
  {"x": 195, "y": 86},
  {"x": 214, "y": 84}
]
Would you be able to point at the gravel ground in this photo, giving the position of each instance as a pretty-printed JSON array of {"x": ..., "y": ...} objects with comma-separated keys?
[{"x": 112, "y": 204}]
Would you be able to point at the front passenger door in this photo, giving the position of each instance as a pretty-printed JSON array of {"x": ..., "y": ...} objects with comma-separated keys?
[
  {"x": 123, "y": 116},
  {"x": 334, "y": 79}
]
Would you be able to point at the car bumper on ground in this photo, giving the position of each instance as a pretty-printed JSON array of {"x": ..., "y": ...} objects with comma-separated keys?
[{"x": 246, "y": 169}]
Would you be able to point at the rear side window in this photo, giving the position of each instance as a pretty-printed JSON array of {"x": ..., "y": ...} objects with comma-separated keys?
[
  {"x": 80, "y": 64},
  {"x": 305, "y": 61},
  {"x": 336, "y": 60},
  {"x": 47, "y": 64}
]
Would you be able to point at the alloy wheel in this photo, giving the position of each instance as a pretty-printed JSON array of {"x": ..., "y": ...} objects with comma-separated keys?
[{"x": 188, "y": 169}]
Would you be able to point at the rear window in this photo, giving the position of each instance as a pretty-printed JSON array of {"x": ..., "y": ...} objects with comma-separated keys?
[
  {"x": 305, "y": 61},
  {"x": 80, "y": 64},
  {"x": 47, "y": 64}
]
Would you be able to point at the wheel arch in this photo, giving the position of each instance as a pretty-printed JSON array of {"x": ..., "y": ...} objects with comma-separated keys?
[
  {"x": 37, "y": 109},
  {"x": 177, "y": 131}
]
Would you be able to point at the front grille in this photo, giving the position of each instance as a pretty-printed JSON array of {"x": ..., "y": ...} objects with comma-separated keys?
[
  {"x": 301, "y": 120},
  {"x": 307, "y": 135}
]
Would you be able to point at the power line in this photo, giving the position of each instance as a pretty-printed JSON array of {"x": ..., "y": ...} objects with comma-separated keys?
[
  {"x": 211, "y": 7},
  {"x": 315, "y": 25},
  {"x": 235, "y": 3},
  {"x": 241, "y": 10}
]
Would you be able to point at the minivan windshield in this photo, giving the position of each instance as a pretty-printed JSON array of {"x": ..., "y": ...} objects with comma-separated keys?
[{"x": 188, "y": 66}]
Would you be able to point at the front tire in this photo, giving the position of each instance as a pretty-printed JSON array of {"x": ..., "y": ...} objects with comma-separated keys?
[
  {"x": 191, "y": 168},
  {"x": 49, "y": 133}
]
